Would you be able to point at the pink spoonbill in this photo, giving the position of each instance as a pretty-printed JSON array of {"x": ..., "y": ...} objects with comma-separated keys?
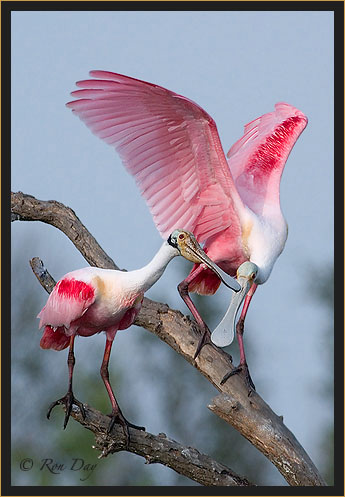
[
  {"x": 172, "y": 148},
  {"x": 91, "y": 300}
]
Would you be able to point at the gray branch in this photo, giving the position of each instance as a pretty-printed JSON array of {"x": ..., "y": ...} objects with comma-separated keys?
[
  {"x": 159, "y": 449},
  {"x": 28, "y": 208},
  {"x": 251, "y": 416}
]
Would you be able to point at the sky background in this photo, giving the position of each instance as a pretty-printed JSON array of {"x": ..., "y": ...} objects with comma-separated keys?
[{"x": 236, "y": 65}]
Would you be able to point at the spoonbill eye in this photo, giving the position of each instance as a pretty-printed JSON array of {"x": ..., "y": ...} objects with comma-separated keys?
[{"x": 181, "y": 236}]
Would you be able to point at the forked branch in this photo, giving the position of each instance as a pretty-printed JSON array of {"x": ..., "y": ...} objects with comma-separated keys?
[{"x": 251, "y": 416}]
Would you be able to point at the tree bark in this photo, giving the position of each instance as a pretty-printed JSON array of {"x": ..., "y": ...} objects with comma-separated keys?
[
  {"x": 28, "y": 208},
  {"x": 250, "y": 415},
  {"x": 158, "y": 449}
]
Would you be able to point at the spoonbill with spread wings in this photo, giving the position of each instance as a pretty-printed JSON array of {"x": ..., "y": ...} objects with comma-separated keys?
[{"x": 172, "y": 148}]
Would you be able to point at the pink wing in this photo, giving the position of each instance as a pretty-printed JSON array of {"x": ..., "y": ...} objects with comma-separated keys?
[
  {"x": 257, "y": 159},
  {"x": 170, "y": 145},
  {"x": 69, "y": 300}
]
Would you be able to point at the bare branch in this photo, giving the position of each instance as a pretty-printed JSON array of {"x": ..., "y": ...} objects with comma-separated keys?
[
  {"x": 251, "y": 416},
  {"x": 262, "y": 427},
  {"x": 158, "y": 449},
  {"x": 41, "y": 273},
  {"x": 28, "y": 208}
]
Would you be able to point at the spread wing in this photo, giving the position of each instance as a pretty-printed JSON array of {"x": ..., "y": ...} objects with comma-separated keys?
[
  {"x": 169, "y": 144},
  {"x": 257, "y": 159}
]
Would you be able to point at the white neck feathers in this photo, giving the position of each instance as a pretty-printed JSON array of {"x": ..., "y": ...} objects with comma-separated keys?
[{"x": 147, "y": 276}]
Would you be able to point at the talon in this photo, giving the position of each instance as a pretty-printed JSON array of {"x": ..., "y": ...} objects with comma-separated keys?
[
  {"x": 81, "y": 407},
  {"x": 204, "y": 340},
  {"x": 251, "y": 384},
  {"x": 68, "y": 400},
  {"x": 118, "y": 417},
  {"x": 51, "y": 407},
  {"x": 247, "y": 378},
  {"x": 231, "y": 373}
]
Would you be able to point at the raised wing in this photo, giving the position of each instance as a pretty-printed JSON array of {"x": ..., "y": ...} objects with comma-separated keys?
[
  {"x": 169, "y": 144},
  {"x": 257, "y": 159},
  {"x": 69, "y": 300}
]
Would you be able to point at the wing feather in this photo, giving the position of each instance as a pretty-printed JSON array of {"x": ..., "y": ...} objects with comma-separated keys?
[
  {"x": 68, "y": 301},
  {"x": 169, "y": 144},
  {"x": 258, "y": 158}
]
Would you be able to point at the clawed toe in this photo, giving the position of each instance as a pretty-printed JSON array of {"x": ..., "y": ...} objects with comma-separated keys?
[
  {"x": 204, "y": 340},
  {"x": 68, "y": 400},
  {"x": 242, "y": 368},
  {"x": 136, "y": 427},
  {"x": 118, "y": 417}
]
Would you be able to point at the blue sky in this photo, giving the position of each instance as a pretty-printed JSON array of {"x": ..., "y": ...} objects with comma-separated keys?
[{"x": 236, "y": 65}]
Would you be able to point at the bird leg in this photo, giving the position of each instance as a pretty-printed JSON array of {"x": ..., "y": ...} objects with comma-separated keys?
[
  {"x": 243, "y": 366},
  {"x": 68, "y": 400},
  {"x": 116, "y": 414},
  {"x": 183, "y": 291}
]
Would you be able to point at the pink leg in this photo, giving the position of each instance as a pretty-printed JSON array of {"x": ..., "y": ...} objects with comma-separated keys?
[
  {"x": 239, "y": 333},
  {"x": 116, "y": 414},
  {"x": 240, "y": 323},
  {"x": 183, "y": 291},
  {"x": 68, "y": 400}
]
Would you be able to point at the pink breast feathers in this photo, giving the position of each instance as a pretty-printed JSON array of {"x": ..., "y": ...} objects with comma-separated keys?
[{"x": 131, "y": 314}]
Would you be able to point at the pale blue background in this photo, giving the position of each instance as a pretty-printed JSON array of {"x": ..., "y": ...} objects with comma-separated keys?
[{"x": 236, "y": 65}]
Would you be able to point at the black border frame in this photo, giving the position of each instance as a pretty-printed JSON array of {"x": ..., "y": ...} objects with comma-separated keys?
[{"x": 338, "y": 8}]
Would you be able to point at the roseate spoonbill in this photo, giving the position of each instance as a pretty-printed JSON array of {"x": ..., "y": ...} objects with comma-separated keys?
[
  {"x": 91, "y": 300},
  {"x": 172, "y": 148}
]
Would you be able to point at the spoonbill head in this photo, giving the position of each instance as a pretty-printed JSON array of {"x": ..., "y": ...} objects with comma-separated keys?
[{"x": 187, "y": 246}]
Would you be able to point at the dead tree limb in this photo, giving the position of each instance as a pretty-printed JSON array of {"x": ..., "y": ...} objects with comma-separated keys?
[
  {"x": 159, "y": 449},
  {"x": 28, "y": 208},
  {"x": 251, "y": 416}
]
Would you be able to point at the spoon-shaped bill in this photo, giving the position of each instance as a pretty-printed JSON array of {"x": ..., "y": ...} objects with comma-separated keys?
[
  {"x": 193, "y": 252},
  {"x": 224, "y": 333}
]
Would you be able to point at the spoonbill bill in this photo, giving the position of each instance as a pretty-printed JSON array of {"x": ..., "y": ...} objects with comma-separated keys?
[
  {"x": 172, "y": 148},
  {"x": 90, "y": 300}
]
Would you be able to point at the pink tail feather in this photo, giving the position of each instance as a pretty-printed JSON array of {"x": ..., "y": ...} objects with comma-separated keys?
[{"x": 56, "y": 340}]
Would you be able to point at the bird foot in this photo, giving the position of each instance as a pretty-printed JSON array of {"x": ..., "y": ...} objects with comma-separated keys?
[
  {"x": 204, "y": 340},
  {"x": 68, "y": 400},
  {"x": 117, "y": 417},
  {"x": 244, "y": 370}
]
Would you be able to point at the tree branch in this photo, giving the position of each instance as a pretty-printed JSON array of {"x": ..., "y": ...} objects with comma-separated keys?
[
  {"x": 158, "y": 449},
  {"x": 28, "y": 208},
  {"x": 251, "y": 416}
]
